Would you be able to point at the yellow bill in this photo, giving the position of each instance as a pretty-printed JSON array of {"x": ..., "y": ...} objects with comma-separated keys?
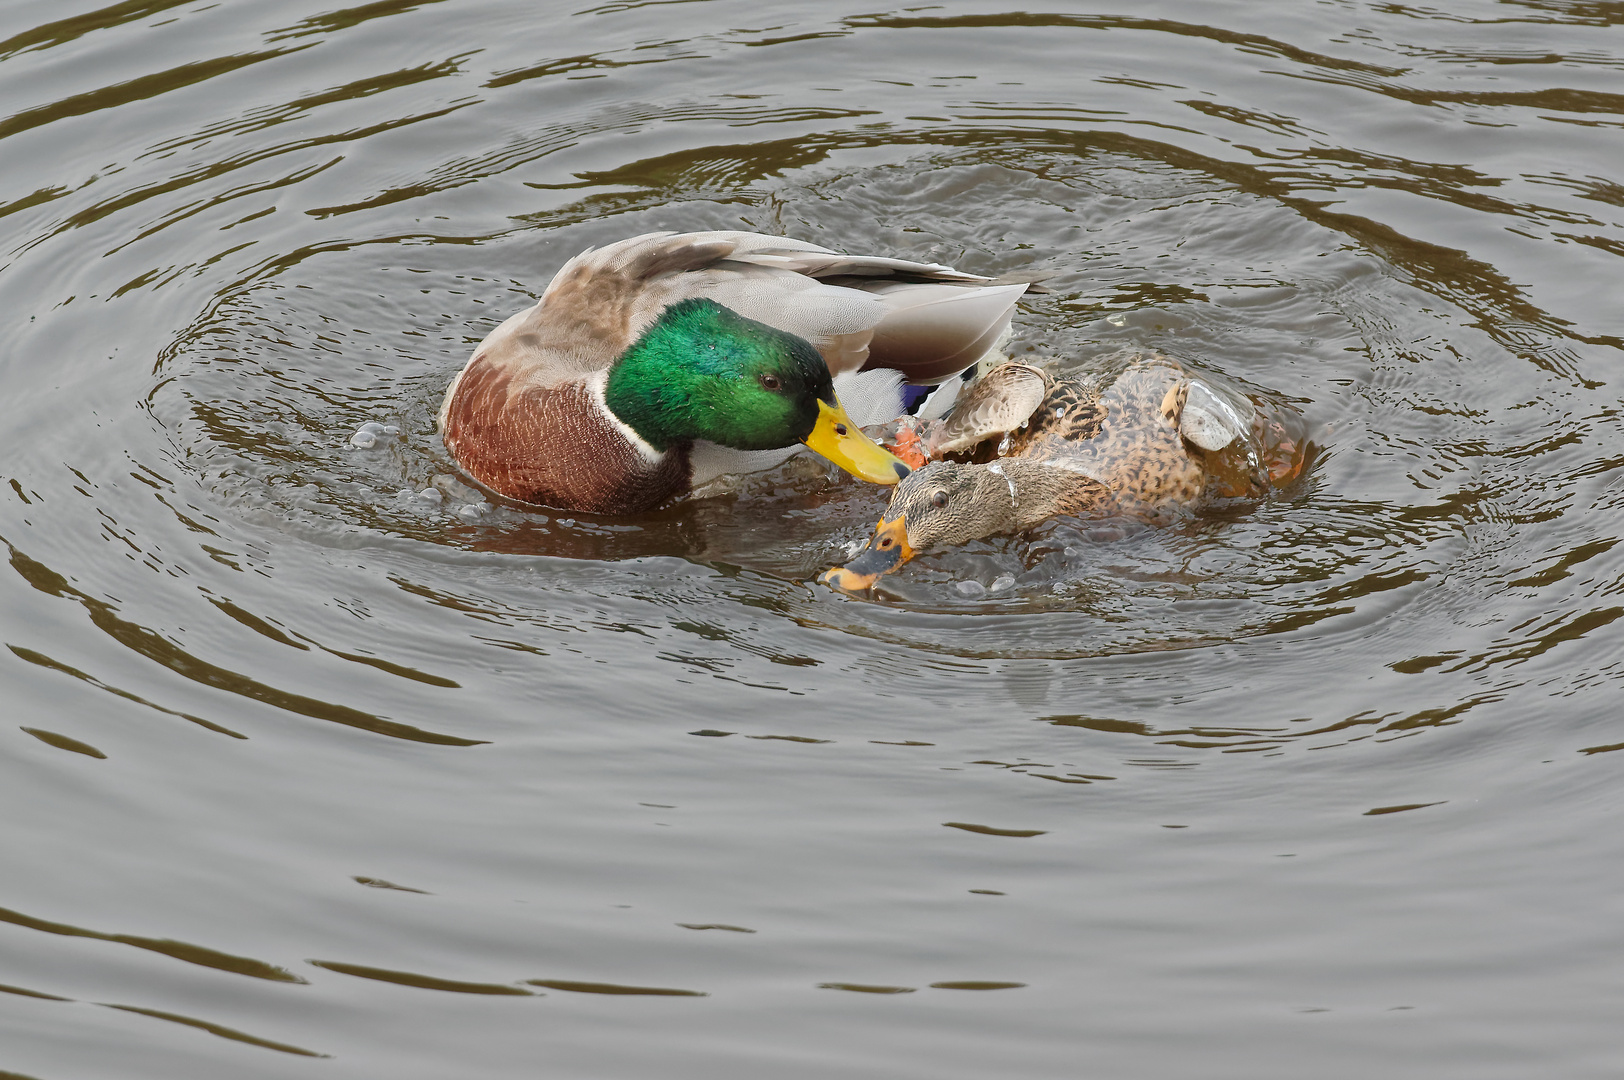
[{"x": 843, "y": 442}]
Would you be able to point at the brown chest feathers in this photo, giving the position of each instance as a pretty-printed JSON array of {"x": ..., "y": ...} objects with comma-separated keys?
[{"x": 553, "y": 446}]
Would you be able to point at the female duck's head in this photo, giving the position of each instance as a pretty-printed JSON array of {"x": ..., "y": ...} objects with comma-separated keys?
[
  {"x": 943, "y": 503},
  {"x": 702, "y": 371},
  {"x": 948, "y": 502}
]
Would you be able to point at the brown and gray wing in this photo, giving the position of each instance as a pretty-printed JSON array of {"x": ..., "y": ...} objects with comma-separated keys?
[
  {"x": 926, "y": 320},
  {"x": 997, "y": 403}
]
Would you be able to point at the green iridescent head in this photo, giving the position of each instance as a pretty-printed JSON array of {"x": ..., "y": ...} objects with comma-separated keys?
[{"x": 702, "y": 371}]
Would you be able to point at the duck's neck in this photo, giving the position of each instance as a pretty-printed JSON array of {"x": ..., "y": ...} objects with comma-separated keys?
[
  {"x": 1018, "y": 494},
  {"x": 649, "y": 390}
]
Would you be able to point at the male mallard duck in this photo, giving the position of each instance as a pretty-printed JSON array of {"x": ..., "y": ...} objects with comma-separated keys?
[
  {"x": 660, "y": 362},
  {"x": 1144, "y": 438}
]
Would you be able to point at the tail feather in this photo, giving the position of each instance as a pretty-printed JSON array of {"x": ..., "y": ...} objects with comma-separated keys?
[{"x": 933, "y": 331}]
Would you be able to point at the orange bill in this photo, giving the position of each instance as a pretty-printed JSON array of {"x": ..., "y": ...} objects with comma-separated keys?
[{"x": 887, "y": 549}]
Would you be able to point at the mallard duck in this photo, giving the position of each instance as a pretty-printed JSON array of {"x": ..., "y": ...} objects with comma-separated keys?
[
  {"x": 1144, "y": 437},
  {"x": 660, "y": 362}
]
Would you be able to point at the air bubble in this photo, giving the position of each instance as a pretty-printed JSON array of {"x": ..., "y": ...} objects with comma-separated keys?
[{"x": 370, "y": 433}]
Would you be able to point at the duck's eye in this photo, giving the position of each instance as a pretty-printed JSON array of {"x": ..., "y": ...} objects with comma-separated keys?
[
  {"x": 771, "y": 382},
  {"x": 939, "y": 499}
]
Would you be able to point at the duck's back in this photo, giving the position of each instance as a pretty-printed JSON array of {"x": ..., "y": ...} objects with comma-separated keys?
[{"x": 1121, "y": 425}]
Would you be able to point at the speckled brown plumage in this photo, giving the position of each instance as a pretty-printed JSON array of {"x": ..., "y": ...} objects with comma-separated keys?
[
  {"x": 1139, "y": 435},
  {"x": 1123, "y": 431}
]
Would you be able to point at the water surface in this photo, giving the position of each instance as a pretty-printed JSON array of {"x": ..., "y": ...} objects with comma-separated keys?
[{"x": 317, "y": 764}]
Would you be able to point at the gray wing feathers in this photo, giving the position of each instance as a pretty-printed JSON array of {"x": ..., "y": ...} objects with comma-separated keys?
[
  {"x": 926, "y": 320},
  {"x": 933, "y": 331},
  {"x": 997, "y": 403}
]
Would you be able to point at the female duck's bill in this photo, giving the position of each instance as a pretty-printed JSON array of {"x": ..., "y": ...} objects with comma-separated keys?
[
  {"x": 843, "y": 442},
  {"x": 887, "y": 549}
]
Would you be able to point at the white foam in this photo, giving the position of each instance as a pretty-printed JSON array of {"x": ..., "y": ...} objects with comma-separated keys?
[{"x": 371, "y": 433}]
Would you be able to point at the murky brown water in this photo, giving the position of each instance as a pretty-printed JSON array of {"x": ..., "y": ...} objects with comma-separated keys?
[{"x": 305, "y": 775}]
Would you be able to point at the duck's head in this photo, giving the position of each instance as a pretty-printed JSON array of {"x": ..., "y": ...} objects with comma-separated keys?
[
  {"x": 702, "y": 371},
  {"x": 942, "y": 504}
]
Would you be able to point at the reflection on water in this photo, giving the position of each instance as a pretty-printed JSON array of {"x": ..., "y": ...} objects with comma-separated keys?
[{"x": 1310, "y": 772}]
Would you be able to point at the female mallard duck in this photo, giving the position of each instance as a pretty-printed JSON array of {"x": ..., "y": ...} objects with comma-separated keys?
[
  {"x": 660, "y": 362},
  {"x": 1144, "y": 438}
]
